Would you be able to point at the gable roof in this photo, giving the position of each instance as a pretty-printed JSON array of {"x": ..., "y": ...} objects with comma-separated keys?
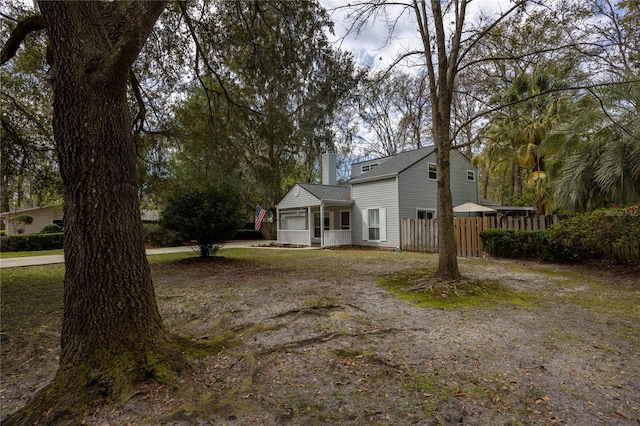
[
  {"x": 325, "y": 192},
  {"x": 394, "y": 165}
]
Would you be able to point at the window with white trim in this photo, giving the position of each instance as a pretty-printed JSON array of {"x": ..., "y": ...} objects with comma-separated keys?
[
  {"x": 471, "y": 175},
  {"x": 432, "y": 171}
]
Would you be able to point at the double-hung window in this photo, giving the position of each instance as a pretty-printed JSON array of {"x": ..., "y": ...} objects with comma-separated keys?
[
  {"x": 374, "y": 224},
  {"x": 432, "y": 171}
]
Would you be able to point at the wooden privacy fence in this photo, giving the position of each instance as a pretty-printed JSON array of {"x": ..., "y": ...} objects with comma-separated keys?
[{"x": 421, "y": 235}]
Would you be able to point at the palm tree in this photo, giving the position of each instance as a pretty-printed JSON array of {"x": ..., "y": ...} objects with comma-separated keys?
[
  {"x": 515, "y": 134},
  {"x": 596, "y": 157}
]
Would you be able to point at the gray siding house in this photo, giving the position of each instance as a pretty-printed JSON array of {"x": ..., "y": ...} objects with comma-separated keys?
[{"x": 368, "y": 209}]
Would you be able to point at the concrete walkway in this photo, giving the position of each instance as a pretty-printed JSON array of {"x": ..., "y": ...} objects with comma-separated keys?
[{"x": 13, "y": 262}]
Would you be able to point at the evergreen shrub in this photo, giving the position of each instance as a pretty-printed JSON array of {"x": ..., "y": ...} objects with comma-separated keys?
[
  {"x": 209, "y": 214},
  {"x": 31, "y": 242},
  {"x": 610, "y": 235},
  {"x": 515, "y": 244},
  {"x": 51, "y": 228}
]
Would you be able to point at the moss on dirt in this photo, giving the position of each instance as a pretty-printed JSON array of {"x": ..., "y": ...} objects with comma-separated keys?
[{"x": 417, "y": 286}]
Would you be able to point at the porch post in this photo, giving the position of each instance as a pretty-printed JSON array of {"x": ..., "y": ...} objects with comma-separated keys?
[
  {"x": 310, "y": 224},
  {"x": 277, "y": 223},
  {"x": 321, "y": 224}
]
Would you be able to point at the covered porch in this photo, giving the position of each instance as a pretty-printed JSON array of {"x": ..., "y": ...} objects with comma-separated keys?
[
  {"x": 312, "y": 214},
  {"x": 303, "y": 226}
]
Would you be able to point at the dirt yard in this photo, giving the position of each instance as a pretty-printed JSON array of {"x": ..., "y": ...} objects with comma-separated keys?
[{"x": 312, "y": 337}]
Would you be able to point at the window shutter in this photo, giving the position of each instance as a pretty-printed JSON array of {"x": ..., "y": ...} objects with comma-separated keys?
[
  {"x": 365, "y": 225},
  {"x": 383, "y": 224}
]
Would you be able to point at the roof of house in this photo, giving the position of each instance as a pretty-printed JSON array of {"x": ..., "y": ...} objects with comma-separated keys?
[
  {"x": 325, "y": 192},
  {"x": 394, "y": 165},
  {"x": 30, "y": 209}
]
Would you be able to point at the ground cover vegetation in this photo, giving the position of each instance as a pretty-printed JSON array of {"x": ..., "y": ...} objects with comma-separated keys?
[
  {"x": 353, "y": 337},
  {"x": 265, "y": 95}
]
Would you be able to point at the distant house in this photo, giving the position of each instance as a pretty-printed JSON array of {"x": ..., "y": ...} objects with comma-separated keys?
[
  {"x": 53, "y": 214},
  {"x": 368, "y": 209},
  {"x": 41, "y": 216},
  {"x": 149, "y": 216}
]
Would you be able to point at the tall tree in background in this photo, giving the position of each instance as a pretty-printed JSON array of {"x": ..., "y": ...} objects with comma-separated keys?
[
  {"x": 112, "y": 333},
  {"x": 272, "y": 88},
  {"x": 29, "y": 169},
  {"x": 532, "y": 98},
  {"x": 393, "y": 109}
]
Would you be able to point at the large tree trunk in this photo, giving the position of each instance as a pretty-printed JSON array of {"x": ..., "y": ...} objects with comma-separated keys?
[
  {"x": 447, "y": 250},
  {"x": 112, "y": 333}
]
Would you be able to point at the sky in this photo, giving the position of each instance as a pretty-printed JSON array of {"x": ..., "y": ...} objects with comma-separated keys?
[{"x": 372, "y": 47}]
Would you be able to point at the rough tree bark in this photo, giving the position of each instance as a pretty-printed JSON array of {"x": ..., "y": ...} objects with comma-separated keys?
[{"x": 112, "y": 332}]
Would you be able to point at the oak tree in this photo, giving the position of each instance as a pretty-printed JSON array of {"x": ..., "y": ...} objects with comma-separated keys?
[{"x": 112, "y": 333}]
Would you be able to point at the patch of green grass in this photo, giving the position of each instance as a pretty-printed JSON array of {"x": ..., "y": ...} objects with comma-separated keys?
[
  {"x": 416, "y": 286},
  {"x": 32, "y": 297},
  {"x": 9, "y": 254}
]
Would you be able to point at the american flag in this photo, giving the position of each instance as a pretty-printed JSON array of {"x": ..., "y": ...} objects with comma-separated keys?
[{"x": 260, "y": 213}]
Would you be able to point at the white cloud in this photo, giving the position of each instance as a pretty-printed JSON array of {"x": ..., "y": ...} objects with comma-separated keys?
[{"x": 377, "y": 45}]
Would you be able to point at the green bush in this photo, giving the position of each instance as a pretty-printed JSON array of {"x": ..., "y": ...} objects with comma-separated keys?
[
  {"x": 2, "y": 232},
  {"x": 610, "y": 235},
  {"x": 209, "y": 215},
  {"x": 515, "y": 244},
  {"x": 31, "y": 242},
  {"x": 157, "y": 236},
  {"x": 51, "y": 228}
]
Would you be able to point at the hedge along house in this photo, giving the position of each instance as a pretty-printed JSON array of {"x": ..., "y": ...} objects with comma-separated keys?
[{"x": 369, "y": 208}]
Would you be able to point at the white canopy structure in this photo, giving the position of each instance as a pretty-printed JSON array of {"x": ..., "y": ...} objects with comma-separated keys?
[{"x": 470, "y": 207}]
